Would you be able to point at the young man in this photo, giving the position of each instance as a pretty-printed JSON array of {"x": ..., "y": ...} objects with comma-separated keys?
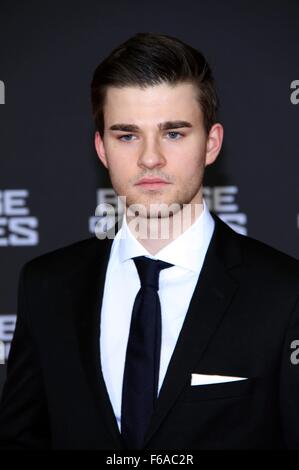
[{"x": 178, "y": 341}]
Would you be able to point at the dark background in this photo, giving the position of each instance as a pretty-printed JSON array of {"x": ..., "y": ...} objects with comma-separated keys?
[{"x": 48, "y": 51}]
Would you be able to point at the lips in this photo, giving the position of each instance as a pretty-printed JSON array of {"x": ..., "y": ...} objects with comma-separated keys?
[{"x": 151, "y": 181}]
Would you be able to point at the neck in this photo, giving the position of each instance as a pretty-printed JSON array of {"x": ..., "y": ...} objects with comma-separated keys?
[{"x": 154, "y": 233}]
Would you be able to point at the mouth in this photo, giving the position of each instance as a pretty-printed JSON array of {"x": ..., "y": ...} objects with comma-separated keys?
[{"x": 152, "y": 183}]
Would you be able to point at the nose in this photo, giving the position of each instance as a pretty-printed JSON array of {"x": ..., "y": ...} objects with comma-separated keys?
[{"x": 151, "y": 155}]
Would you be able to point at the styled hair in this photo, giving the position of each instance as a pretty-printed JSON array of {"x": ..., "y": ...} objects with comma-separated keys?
[{"x": 149, "y": 59}]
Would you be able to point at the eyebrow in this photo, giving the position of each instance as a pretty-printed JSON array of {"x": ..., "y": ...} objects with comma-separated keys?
[{"x": 163, "y": 126}]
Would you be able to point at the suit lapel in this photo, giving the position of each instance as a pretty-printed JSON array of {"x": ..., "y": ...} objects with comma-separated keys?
[
  {"x": 212, "y": 295},
  {"x": 85, "y": 290}
]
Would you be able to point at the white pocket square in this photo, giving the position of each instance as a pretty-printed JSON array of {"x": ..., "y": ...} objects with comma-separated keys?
[{"x": 204, "y": 379}]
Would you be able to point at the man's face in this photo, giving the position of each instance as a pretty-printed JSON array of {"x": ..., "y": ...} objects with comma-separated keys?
[{"x": 156, "y": 132}]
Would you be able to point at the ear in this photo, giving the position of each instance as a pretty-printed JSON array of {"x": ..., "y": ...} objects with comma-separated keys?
[
  {"x": 100, "y": 149},
  {"x": 214, "y": 143}
]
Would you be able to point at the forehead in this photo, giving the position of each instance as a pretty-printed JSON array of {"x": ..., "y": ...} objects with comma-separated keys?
[{"x": 160, "y": 101}]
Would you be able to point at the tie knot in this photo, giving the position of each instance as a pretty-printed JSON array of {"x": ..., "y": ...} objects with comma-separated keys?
[{"x": 149, "y": 270}]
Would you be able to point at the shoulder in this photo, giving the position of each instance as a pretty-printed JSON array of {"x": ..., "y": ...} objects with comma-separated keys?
[
  {"x": 265, "y": 256},
  {"x": 61, "y": 262},
  {"x": 257, "y": 261}
]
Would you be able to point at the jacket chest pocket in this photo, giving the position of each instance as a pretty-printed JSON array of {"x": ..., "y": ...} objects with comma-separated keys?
[{"x": 215, "y": 391}]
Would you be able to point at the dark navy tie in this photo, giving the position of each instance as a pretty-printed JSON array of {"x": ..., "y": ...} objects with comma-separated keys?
[{"x": 141, "y": 373}]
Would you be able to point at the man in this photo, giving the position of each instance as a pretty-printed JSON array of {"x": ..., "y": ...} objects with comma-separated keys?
[{"x": 183, "y": 341}]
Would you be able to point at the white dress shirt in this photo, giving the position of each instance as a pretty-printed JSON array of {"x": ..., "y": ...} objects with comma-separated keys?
[{"x": 176, "y": 286}]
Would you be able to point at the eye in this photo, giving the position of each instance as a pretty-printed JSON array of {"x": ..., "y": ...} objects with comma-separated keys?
[
  {"x": 124, "y": 137},
  {"x": 175, "y": 134}
]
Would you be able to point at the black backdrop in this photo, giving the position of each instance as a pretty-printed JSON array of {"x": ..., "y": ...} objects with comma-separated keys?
[{"x": 51, "y": 179}]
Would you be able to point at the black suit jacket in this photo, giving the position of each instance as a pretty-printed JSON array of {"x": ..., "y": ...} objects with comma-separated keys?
[{"x": 242, "y": 320}]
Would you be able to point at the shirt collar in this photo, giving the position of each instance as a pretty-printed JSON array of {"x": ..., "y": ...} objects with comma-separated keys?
[{"x": 184, "y": 251}]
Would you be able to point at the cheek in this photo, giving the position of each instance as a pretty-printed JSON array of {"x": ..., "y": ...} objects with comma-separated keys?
[
  {"x": 188, "y": 167},
  {"x": 188, "y": 155},
  {"x": 119, "y": 163},
  {"x": 121, "y": 174}
]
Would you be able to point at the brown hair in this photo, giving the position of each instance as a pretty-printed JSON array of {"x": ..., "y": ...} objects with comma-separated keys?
[{"x": 149, "y": 59}]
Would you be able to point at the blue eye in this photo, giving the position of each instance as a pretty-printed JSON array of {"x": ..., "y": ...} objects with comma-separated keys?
[
  {"x": 126, "y": 135},
  {"x": 175, "y": 133}
]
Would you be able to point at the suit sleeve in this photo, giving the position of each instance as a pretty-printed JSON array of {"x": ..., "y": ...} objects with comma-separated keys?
[
  {"x": 289, "y": 382},
  {"x": 24, "y": 420}
]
